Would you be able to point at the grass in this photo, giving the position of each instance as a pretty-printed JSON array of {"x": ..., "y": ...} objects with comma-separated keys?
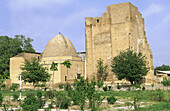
[
  {"x": 162, "y": 106},
  {"x": 129, "y": 95},
  {"x": 124, "y": 96}
]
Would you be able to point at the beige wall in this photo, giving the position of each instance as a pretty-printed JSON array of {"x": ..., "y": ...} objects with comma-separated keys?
[
  {"x": 118, "y": 29},
  {"x": 71, "y": 73},
  {"x": 16, "y": 63}
]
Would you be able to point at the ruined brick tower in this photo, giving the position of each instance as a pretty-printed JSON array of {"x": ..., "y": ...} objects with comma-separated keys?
[{"x": 118, "y": 29}]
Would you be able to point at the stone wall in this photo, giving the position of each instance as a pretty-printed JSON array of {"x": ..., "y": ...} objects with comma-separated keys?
[{"x": 118, "y": 29}]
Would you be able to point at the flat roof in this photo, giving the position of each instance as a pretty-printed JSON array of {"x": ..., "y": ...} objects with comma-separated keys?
[{"x": 165, "y": 72}]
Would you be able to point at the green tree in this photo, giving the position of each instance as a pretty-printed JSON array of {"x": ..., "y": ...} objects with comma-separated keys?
[
  {"x": 10, "y": 47},
  {"x": 54, "y": 67},
  {"x": 162, "y": 68},
  {"x": 102, "y": 72},
  {"x": 130, "y": 66},
  {"x": 33, "y": 72},
  {"x": 31, "y": 103},
  {"x": 67, "y": 64},
  {"x": 82, "y": 91}
]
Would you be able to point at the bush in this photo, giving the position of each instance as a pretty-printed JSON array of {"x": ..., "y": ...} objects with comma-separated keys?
[
  {"x": 49, "y": 94},
  {"x": 157, "y": 96},
  {"x": 111, "y": 100},
  {"x": 63, "y": 100},
  {"x": 105, "y": 88},
  {"x": 128, "y": 89},
  {"x": 143, "y": 88},
  {"x": 39, "y": 94},
  {"x": 1, "y": 99},
  {"x": 99, "y": 83},
  {"x": 14, "y": 87},
  {"x": 137, "y": 86},
  {"x": 67, "y": 87},
  {"x": 15, "y": 97},
  {"x": 60, "y": 86},
  {"x": 40, "y": 85},
  {"x": 118, "y": 86},
  {"x": 30, "y": 102},
  {"x": 41, "y": 103},
  {"x": 109, "y": 88}
]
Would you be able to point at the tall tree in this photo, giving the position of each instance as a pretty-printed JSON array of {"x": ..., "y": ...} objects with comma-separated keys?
[
  {"x": 102, "y": 72},
  {"x": 130, "y": 66},
  {"x": 162, "y": 68},
  {"x": 33, "y": 72},
  {"x": 10, "y": 47},
  {"x": 54, "y": 67}
]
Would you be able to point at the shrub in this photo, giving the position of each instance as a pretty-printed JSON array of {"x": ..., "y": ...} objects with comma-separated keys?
[
  {"x": 67, "y": 87},
  {"x": 39, "y": 94},
  {"x": 1, "y": 99},
  {"x": 109, "y": 87},
  {"x": 105, "y": 88},
  {"x": 111, "y": 100},
  {"x": 41, "y": 103},
  {"x": 137, "y": 86},
  {"x": 118, "y": 86},
  {"x": 63, "y": 100},
  {"x": 99, "y": 83},
  {"x": 143, "y": 88},
  {"x": 60, "y": 86},
  {"x": 14, "y": 86},
  {"x": 128, "y": 89},
  {"x": 157, "y": 96},
  {"x": 49, "y": 94},
  {"x": 30, "y": 102},
  {"x": 40, "y": 85},
  {"x": 15, "y": 97}
]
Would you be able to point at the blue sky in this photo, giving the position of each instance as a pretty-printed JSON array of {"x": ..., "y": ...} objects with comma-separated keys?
[{"x": 44, "y": 19}]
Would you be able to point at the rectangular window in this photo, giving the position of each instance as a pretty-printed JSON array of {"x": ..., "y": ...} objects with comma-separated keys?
[
  {"x": 65, "y": 78},
  {"x": 78, "y": 76}
]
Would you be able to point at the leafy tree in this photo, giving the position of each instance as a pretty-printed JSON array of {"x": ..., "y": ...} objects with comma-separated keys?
[
  {"x": 102, "y": 72},
  {"x": 10, "y": 47},
  {"x": 162, "y": 68},
  {"x": 33, "y": 72},
  {"x": 67, "y": 64},
  {"x": 14, "y": 86},
  {"x": 54, "y": 67},
  {"x": 82, "y": 91},
  {"x": 130, "y": 66},
  {"x": 31, "y": 103},
  {"x": 166, "y": 82}
]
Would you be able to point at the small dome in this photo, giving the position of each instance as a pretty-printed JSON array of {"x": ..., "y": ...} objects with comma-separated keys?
[{"x": 59, "y": 46}]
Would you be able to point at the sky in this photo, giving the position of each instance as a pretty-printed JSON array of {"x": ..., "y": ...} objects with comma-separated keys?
[{"x": 42, "y": 20}]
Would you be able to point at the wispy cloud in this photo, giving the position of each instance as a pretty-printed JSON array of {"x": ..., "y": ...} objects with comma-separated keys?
[{"x": 153, "y": 9}]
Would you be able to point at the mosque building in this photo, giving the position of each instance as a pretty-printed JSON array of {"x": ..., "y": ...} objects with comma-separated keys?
[{"x": 121, "y": 27}]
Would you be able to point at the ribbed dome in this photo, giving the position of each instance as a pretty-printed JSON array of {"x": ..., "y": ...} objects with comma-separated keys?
[{"x": 59, "y": 46}]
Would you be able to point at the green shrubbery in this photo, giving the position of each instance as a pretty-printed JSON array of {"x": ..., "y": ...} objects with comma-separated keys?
[
  {"x": 105, "y": 88},
  {"x": 61, "y": 86},
  {"x": 30, "y": 103},
  {"x": 111, "y": 100},
  {"x": 1, "y": 99},
  {"x": 62, "y": 101},
  {"x": 49, "y": 94},
  {"x": 15, "y": 97},
  {"x": 14, "y": 87}
]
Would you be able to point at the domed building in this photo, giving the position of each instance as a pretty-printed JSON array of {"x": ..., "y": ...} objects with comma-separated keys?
[{"x": 57, "y": 50}]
